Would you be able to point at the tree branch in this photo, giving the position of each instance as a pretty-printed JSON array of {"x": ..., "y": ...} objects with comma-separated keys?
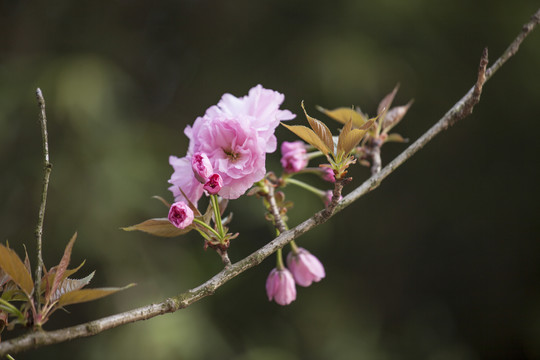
[
  {"x": 47, "y": 166},
  {"x": 460, "y": 110}
]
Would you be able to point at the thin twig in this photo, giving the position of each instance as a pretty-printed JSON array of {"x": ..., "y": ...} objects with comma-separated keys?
[
  {"x": 274, "y": 209},
  {"x": 47, "y": 167},
  {"x": 183, "y": 300}
]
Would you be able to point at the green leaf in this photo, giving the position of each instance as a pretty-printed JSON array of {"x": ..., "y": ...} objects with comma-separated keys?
[
  {"x": 14, "y": 267},
  {"x": 84, "y": 295},
  {"x": 308, "y": 136},
  {"x": 343, "y": 115},
  {"x": 322, "y": 131},
  {"x": 159, "y": 227},
  {"x": 62, "y": 266}
]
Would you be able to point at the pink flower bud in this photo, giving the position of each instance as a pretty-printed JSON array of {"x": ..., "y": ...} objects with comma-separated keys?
[
  {"x": 305, "y": 267},
  {"x": 294, "y": 156},
  {"x": 180, "y": 215},
  {"x": 202, "y": 168},
  {"x": 328, "y": 174},
  {"x": 214, "y": 184},
  {"x": 280, "y": 287}
]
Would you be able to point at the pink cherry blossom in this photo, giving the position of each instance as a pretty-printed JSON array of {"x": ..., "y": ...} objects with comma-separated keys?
[
  {"x": 305, "y": 267},
  {"x": 261, "y": 106},
  {"x": 202, "y": 168},
  {"x": 293, "y": 156},
  {"x": 280, "y": 287},
  {"x": 183, "y": 178},
  {"x": 180, "y": 215},
  {"x": 236, "y": 134},
  {"x": 214, "y": 184}
]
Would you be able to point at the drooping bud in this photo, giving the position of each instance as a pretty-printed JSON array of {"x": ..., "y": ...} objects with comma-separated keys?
[
  {"x": 202, "y": 168},
  {"x": 214, "y": 184},
  {"x": 294, "y": 156},
  {"x": 180, "y": 215},
  {"x": 305, "y": 267},
  {"x": 328, "y": 174},
  {"x": 280, "y": 286}
]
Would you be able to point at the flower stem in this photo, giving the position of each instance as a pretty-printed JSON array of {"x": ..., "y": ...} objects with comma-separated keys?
[
  {"x": 206, "y": 226},
  {"x": 279, "y": 259},
  {"x": 305, "y": 186},
  {"x": 294, "y": 247},
  {"x": 217, "y": 217}
]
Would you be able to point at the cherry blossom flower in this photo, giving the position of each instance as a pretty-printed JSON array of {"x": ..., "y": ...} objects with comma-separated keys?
[
  {"x": 183, "y": 178},
  {"x": 214, "y": 184},
  {"x": 280, "y": 286},
  {"x": 305, "y": 267},
  {"x": 293, "y": 156},
  {"x": 180, "y": 215},
  {"x": 202, "y": 168}
]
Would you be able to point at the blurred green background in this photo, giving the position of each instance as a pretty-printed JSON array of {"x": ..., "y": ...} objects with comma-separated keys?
[{"x": 442, "y": 261}]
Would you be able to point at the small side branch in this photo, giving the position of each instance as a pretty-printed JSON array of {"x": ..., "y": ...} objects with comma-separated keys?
[
  {"x": 47, "y": 166},
  {"x": 461, "y": 109}
]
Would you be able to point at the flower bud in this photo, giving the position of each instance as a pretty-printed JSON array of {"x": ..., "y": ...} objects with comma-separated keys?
[
  {"x": 280, "y": 287},
  {"x": 328, "y": 174},
  {"x": 294, "y": 156},
  {"x": 305, "y": 267},
  {"x": 180, "y": 215},
  {"x": 214, "y": 184},
  {"x": 202, "y": 168}
]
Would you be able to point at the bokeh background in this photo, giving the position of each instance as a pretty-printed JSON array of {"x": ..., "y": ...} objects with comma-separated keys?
[{"x": 442, "y": 261}]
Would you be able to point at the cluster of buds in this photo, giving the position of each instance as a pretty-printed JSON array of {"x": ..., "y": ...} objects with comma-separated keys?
[{"x": 303, "y": 269}]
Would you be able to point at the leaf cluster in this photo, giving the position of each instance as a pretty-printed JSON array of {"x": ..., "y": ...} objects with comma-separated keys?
[{"x": 57, "y": 289}]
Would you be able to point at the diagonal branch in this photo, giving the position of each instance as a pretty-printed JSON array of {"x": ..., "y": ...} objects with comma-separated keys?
[{"x": 460, "y": 110}]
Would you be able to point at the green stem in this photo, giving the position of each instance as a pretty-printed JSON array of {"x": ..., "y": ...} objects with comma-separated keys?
[
  {"x": 294, "y": 247},
  {"x": 10, "y": 308},
  {"x": 208, "y": 227},
  {"x": 305, "y": 186},
  {"x": 314, "y": 155},
  {"x": 279, "y": 260},
  {"x": 217, "y": 216}
]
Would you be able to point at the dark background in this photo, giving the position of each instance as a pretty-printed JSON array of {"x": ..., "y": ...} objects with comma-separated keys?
[{"x": 440, "y": 262}]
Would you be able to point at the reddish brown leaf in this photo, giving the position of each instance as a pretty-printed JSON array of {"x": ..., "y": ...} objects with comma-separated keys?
[
  {"x": 343, "y": 115},
  {"x": 84, "y": 295},
  {"x": 159, "y": 227},
  {"x": 387, "y": 101},
  {"x": 322, "y": 131},
  {"x": 308, "y": 136},
  {"x": 62, "y": 266},
  {"x": 14, "y": 267}
]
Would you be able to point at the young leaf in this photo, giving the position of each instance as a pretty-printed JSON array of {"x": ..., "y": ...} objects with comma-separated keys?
[
  {"x": 342, "y": 135},
  {"x": 343, "y": 115},
  {"x": 395, "y": 137},
  {"x": 386, "y": 102},
  {"x": 308, "y": 136},
  {"x": 159, "y": 227},
  {"x": 352, "y": 139},
  {"x": 394, "y": 116},
  {"x": 62, "y": 266},
  {"x": 69, "y": 285},
  {"x": 14, "y": 267},
  {"x": 84, "y": 295},
  {"x": 322, "y": 131}
]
